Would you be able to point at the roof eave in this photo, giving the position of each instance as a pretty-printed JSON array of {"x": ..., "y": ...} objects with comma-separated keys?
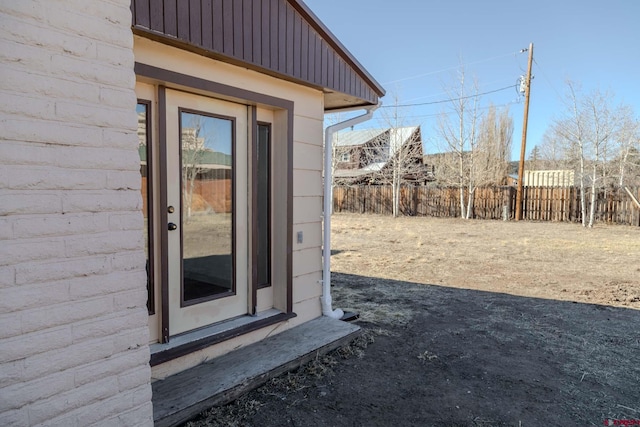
[{"x": 345, "y": 83}]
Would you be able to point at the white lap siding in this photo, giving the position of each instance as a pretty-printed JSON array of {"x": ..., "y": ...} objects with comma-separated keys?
[{"x": 73, "y": 318}]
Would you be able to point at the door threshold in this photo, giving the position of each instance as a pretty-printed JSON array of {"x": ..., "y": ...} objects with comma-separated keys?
[{"x": 188, "y": 342}]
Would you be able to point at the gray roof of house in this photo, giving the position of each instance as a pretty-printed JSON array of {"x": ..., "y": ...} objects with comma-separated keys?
[{"x": 352, "y": 138}]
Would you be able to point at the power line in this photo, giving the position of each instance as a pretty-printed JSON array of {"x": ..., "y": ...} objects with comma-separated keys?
[
  {"x": 547, "y": 79},
  {"x": 430, "y": 73},
  {"x": 443, "y": 101},
  {"x": 439, "y": 94},
  {"x": 416, "y": 116}
]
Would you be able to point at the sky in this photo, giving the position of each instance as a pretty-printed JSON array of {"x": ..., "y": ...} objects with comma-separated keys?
[{"x": 414, "y": 49}]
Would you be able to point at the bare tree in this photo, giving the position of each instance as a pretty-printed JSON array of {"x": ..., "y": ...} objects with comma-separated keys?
[
  {"x": 193, "y": 151},
  {"x": 458, "y": 133},
  {"x": 553, "y": 151},
  {"x": 494, "y": 147},
  {"x": 570, "y": 131},
  {"x": 400, "y": 152},
  {"x": 589, "y": 132},
  {"x": 535, "y": 158},
  {"x": 604, "y": 124},
  {"x": 629, "y": 155}
]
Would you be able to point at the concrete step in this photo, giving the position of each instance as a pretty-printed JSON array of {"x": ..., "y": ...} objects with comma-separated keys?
[{"x": 182, "y": 396}]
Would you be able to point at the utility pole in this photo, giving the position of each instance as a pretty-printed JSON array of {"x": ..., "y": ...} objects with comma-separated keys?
[{"x": 523, "y": 147}]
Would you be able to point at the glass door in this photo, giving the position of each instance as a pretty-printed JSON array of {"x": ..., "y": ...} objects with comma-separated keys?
[{"x": 206, "y": 175}]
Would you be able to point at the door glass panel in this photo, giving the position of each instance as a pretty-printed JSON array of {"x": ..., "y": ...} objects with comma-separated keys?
[
  {"x": 207, "y": 206},
  {"x": 144, "y": 151},
  {"x": 264, "y": 206}
]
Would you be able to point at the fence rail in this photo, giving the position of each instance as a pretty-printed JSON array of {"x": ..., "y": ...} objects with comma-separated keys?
[{"x": 539, "y": 203}]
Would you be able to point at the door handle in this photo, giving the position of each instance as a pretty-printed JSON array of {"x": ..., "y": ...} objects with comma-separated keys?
[{"x": 172, "y": 226}]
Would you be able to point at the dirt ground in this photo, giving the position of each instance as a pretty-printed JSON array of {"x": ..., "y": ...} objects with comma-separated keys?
[{"x": 470, "y": 323}]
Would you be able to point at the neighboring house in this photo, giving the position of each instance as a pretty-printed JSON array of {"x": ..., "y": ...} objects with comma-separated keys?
[
  {"x": 368, "y": 155},
  {"x": 158, "y": 158},
  {"x": 355, "y": 149},
  {"x": 512, "y": 179}
]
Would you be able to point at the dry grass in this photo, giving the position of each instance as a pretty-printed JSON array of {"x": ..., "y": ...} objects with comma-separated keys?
[
  {"x": 239, "y": 412},
  {"x": 535, "y": 259}
]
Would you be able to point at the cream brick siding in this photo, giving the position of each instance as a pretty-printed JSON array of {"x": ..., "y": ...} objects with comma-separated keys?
[{"x": 73, "y": 335}]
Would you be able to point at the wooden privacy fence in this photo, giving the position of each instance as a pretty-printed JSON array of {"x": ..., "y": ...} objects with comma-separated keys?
[{"x": 539, "y": 203}]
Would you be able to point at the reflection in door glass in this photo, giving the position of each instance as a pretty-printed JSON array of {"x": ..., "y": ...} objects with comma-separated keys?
[
  {"x": 207, "y": 206},
  {"x": 145, "y": 160}
]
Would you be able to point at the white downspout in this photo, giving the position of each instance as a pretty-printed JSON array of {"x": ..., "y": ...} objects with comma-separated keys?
[{"x": 328, "y": 203}]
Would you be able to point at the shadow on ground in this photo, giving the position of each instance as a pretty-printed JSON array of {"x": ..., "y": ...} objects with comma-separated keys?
[{"x": 454, "y": 357}]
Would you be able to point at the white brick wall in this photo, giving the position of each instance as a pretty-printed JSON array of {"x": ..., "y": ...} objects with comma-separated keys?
[{"x": 73, "y": 320}]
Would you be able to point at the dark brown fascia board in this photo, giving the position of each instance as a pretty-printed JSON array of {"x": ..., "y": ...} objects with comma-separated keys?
[{"x": 333, "y": 41}]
